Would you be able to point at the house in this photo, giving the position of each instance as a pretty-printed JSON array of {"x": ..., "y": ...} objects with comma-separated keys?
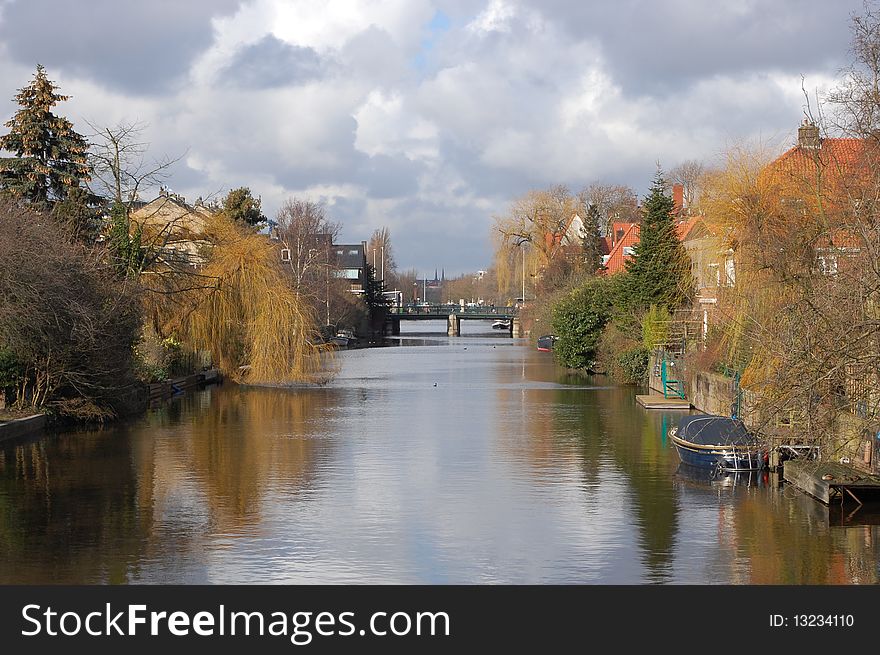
[
  {"x": 620, "y": 245},
  {"x": 833, "y": 171},
  {"x": 624, "y": 237},
  {"x": 173, "y": 227},
  {"x": 819, "y": 164},
  {"x": 350, "y": 261}
]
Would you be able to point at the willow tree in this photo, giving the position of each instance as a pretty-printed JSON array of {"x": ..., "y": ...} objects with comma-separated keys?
[
  {"x": 529, "y": 234},
  {"x": 255, "y": 325},
  {"x": 801, "y": 323}
]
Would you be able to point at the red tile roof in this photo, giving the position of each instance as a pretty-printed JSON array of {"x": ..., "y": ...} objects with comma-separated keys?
[
  {"x": 840, "y": 164},
  {"x": 617, "y": 258},
  {"x": 684, "y": 226}
]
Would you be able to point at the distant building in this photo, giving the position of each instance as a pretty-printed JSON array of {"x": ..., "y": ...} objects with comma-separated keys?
[
  {"x": 430, "y": 291},
  {"x": 351, "y": 264},
  {"x": 173, "y": 227},
  {"x": 619, "y": 247}
]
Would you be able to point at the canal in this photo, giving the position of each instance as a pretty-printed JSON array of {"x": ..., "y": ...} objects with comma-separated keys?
[{"x": 433, "y": 460}]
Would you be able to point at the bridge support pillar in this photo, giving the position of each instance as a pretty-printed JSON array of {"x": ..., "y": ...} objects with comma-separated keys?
[
  {"x": 453, "y": 325},
  {"x": 393, "y": 326},
  {"x": 516, "y": 329}
]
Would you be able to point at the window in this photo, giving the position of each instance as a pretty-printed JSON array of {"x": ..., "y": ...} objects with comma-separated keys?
[
  {"x": 285, "y": 254},
  {"x": 352, "y": 252},
  {"x": 713, "y": 276},
  {"x": 729, "y": 272},
  {"x": 340, "y": 252},
  {"x": 828, "y": 263},
  {"x": 348, "y": 273}
]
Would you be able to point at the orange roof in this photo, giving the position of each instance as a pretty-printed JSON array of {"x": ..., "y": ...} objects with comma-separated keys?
[
  {"x": 683, "y": 227},
  {"x": 617, "y": 257},
  {"x": 839, "y": 154},
  {"x": 619, "y": 227},
  {"x": 838, "y": 163}
]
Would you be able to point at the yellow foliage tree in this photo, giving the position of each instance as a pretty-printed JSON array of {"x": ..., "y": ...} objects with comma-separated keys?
[{"x": 243, "y": 310}]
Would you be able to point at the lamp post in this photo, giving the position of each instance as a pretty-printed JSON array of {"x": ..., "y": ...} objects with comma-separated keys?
[
  {"x": 383, "y": 262},
  {"x": 524, "y": 276}
]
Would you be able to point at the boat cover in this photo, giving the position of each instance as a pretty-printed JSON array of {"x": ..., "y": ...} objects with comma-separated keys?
[{"x": 708, "y": 430}]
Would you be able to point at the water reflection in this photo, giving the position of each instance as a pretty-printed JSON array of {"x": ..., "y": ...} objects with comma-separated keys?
[
  {"x": 101, "y": 506},
  {"x": 470, "y": 459}
]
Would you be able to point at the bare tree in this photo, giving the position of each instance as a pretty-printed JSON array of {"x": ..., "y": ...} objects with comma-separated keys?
[
  {"x": 611, "y": 202},
  {"x": 65, "y": 320},
  {"x": 121, "y": 168},
  {"x": 381, "y": 255},
  {"x": 856, "y": 100},
  {"x": 405, "y": 281},
  {"x": 690, "y": 175},
  {"x": 306, "y": 235}
]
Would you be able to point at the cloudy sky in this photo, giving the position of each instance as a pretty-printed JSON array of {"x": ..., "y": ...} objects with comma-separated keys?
[{"x": 428, "y": 116}]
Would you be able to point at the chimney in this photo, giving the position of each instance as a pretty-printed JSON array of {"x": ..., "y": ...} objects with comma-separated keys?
[
  {"x": 677, "y": 198},
  {"x": 808, "y": 135}
]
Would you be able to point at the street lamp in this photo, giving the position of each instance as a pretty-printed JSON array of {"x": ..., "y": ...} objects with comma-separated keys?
[{"x": 523, "y": 275}]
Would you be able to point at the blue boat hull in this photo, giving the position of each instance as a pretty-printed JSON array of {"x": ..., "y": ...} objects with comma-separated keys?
[{"x": 710, "y": 457}]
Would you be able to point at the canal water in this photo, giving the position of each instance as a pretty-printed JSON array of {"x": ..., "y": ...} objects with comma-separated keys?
[{"x": 434, "y": 460}]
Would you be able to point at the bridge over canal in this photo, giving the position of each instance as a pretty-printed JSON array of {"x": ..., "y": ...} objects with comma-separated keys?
[{"x": 454, "y": 315}]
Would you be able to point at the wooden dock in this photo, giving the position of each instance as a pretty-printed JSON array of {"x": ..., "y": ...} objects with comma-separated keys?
[
  {"x": 828, "y": 480},
  {"x": 657, "y": 401}
]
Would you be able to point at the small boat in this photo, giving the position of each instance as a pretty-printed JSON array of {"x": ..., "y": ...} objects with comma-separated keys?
[
  {"x": 545, "y": 343},
  {"x": 717, "y": 442},
  {"x": 501, "y": 325},
  {"x": 344, "y": 338}
]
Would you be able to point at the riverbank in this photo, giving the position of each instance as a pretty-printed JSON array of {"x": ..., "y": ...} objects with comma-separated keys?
[
  {"x": 14, "y": 428},
  {"x": 22, "y": 424}
]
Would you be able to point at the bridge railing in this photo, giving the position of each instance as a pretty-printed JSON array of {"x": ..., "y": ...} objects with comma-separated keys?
[{"x": 447, "y": 309}]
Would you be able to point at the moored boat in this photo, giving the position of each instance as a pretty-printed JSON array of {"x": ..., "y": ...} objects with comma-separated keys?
[
  {"x": 717, "y": 442},
  {"x": 344, "y": 338},
  {"x": 545, "y": 343},
  {"x": 501, "y": 325}
]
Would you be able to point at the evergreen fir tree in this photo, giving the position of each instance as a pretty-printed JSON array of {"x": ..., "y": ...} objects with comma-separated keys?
[
  {"x": 592, "y": 252},
  {"x": 659, "y": 272},
  {"x": 374, "y": 291},
  {"x": 50, "y": 156},
  {"x": 240, "y": 205}
]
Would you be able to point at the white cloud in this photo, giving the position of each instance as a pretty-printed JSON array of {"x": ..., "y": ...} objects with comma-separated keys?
[{"x": 431, "y": 122}]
